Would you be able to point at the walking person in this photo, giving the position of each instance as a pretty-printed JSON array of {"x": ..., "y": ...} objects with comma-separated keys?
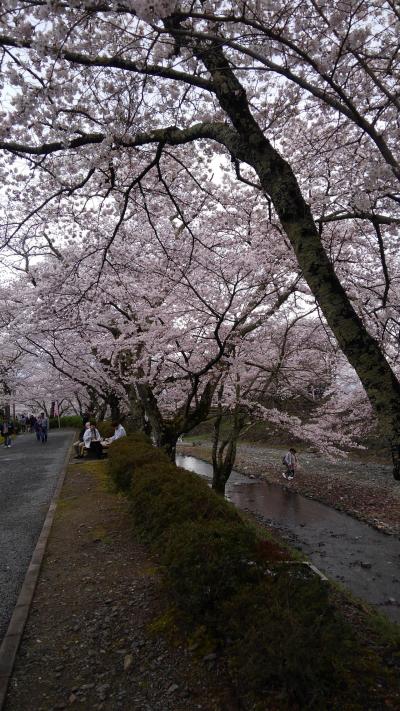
[
  {"x": 6, "y": 430},
  {"x": 37, "y": 429},
  {"x": 44, "y": 427},
  {"x": 291, "y": 463}
]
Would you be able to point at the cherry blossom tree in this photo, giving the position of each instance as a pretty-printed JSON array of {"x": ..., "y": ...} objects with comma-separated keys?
[
  {"x": 285, "y": 376},
  {"x": 303, "y": 102},
  {"x": 156, "y": 323},
  {"x": 168, "y": 330}
]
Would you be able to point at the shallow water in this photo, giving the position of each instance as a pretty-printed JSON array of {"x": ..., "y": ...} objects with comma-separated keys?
[{"x": 364, "y": 560}]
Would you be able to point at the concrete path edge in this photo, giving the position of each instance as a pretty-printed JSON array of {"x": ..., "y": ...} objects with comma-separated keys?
[{"x": 10, "y": 644}]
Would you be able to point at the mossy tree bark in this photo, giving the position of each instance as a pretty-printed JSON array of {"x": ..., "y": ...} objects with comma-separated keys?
[
  {"x": 248, "y": 144},
  {"x": 114, "y": 404},
  {"x": 193, "y": 411},
  {"x": 224, "y": 447},
  {"x": 136, "y": 410}
]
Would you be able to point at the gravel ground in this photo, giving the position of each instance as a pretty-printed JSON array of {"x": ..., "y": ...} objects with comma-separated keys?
[{"x": 362, "y": 488}]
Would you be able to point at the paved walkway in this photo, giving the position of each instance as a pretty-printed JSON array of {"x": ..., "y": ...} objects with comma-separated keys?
[{"x": 28, "y": 476}]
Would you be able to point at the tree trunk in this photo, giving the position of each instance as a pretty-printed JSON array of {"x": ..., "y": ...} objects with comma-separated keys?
[
  {"x": 153, "y": 414},
  {"x": 222, "y": 468},
  {"x": 166, "y": 433},
  {"x": 168, "y": 442},
  {"x": 114, "y": 402},
  {"x": 396, "y": 461},
  {"x": 279, "y": 182},
  {"x": 224, "y": 453},
  {"x": 136, "y": 410},
  {"x": 100, "y": 411},
  {"x": 218, "y": 482}
]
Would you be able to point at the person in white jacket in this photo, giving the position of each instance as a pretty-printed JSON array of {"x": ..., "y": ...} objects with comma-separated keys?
[
  {"x": 92, "y": 440},
  {"x": 119, "y": 431}
]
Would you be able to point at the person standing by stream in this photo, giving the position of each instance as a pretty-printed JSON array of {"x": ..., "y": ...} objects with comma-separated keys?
[{"x": 290, "y": 460}]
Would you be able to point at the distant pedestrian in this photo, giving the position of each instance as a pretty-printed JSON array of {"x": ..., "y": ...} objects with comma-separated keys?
[
  {"x": 290, "y": 461},
  {"x": 37, "y": 429},
  {"x": 42, "y": 427},
  {"x": 6, "y": 430}
]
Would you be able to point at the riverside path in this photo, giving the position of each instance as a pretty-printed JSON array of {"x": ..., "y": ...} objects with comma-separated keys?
[{"x": 29, "y": 472}]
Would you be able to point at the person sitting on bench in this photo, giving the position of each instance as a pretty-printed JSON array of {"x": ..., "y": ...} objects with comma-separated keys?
[
  {"x": 79, "y": 445},
  {"x": 92, "y": 440},
  {"x": 119, "y": 431}
]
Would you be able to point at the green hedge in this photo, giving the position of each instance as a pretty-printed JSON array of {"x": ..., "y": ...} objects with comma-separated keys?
[
  {"x": 127, "y": 454},
  {"x": 105, "y": 428},
  {"x": 285, "y": 643},
  {"x": 164, "y": 496},
  {"x": 66, "y": 421},
  {"x": 206, "y": 562},
  {"x": 285, "y": 636}
]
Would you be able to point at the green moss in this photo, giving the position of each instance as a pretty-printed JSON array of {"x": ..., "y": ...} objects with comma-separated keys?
[
  {"x": 165, "y": 624},
  {"x": 201, "y": 641},
  {"x": 288, "y": 636},
  {"x": 100, "y": 534},
  {"x": 64, "y": 505},
  {"x": 149, "y": 571},
  {"x": 98, "y": 469}
]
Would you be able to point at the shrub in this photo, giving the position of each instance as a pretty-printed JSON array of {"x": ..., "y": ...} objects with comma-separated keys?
[
  {"x": 127, "y": 454},
  {"x": 165, "y": 496},
  {"x": 66, "y": 421},
  {"x": 206, "y": 561},
  {"x": 288, "y": 639},
  {"x": 284, "y": 642},
  {"x": 105, "y": 427}
]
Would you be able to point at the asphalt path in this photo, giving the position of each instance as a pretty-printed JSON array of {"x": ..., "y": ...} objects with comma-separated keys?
[{"x": 29, "y": 472}]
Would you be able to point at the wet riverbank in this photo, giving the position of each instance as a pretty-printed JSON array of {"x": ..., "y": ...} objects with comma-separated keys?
[
  {"x": 364, "y": 489},
  {"x": 364, "y": 560}
]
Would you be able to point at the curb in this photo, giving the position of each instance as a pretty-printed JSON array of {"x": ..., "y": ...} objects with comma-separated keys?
[{"x": 13, "y": 636}]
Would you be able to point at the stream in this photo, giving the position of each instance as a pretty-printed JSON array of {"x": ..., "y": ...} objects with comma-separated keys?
[{"x": 364, "y": 560}]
